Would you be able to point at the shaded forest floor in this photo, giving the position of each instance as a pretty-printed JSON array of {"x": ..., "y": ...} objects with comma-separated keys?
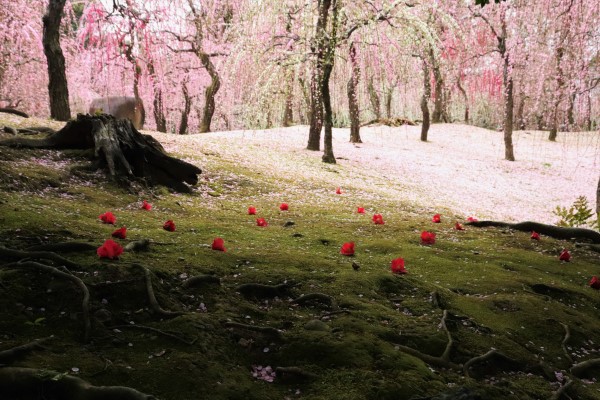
[{"x": 363, "y": 334}]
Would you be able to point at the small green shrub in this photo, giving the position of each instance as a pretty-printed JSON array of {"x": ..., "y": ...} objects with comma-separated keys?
[{"x": 579, "y": 214}]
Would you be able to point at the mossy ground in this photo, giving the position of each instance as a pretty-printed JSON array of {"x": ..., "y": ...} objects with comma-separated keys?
[{"x": 484, "y": 277}]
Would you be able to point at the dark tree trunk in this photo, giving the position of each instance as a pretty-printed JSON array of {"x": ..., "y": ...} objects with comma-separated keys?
[
  {"x": 520, "y": 109},
  {"x": 424, "y": 101},
  {"x": 508, "y": 94},
  {"x": 374, "y": 98},
  {"x": 438, "y": 101},
  {"x": 210, "y": 93},
  {"x": 570, "y": 111},
  {"x": 588, "y": 116},
  {"x": 58, "y": 89},
  {"x": 330, "y": 47},
  {"x": 465, "y": 99},
  {"x": 123, "y": 150},
  {"x": 316, "y": 85},
  {"x": 389, "y": 94},
  {"x": 353, "y": 97},
  {"x": 288, "y": 111},
  {"x": 598, "y": 199},
  {"x": 185, "y": 114},
  {"x": 159, "y": 112}
]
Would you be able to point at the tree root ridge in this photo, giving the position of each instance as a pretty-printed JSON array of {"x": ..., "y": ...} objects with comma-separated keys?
[
  {"x": 155, "y": 330},
  {"x": 34, "y": 383},
  {"x": 266, "y": 330},
  {"x": 85, "y": 307},
  {"x": 64, "y": 247},
  {"x": 258, "y": 290},
  {"x": 156, "y": 308},
  {"x": 36, "y": 255},
  {"x": 314, "y": 298},
  {"x": 10, "y": 355},
  {"x": 557, "y": 232}
]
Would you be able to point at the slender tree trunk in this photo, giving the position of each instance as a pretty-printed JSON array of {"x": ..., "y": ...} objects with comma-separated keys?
[
  {"x": 159, "y": 112},
  {"x": 598, "y": 199},
  {"x": 185, "y": 114},
  {"x": 570, "y": 111},
  {"x": 305, "y": 111},
  {"x": 520, "y": 109},
  {"x": 465, "y": 99},
  {"x": 424, "y": 101},
  {"x": 438, "y": 101},
  {"x": 588, "y": 114},
  {"x": 353, "y": 97},
  {"x": 288, "y": 111},
  {"x": 210, "y": 92},
  {"x": 374, "y": 98},
  {"x": 389, "y": 94},
  {"x": 330, "y": 47},
  {"x": 508, "y": 94},
  {"x": 57, "y": 79}
]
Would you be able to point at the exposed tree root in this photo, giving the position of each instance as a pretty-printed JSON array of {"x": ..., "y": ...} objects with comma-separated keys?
[
  {"x": 312, "y": 298},
  {"x": 10, "y": 355},
  {"x": 30, "y": 383},
  {"x": 111, "y": 283},
  {"x": 154, "y": 330},
  {"x": 139, "y": 245},
  {"x": 336, "y": 312},
  {"x": 557, "y": 232},
  {"x": 562, "y": 390},
  {"x": 54, "y": 271},
  {"x": 64, "y": 247},
  {"x": 258, "y": 290},
  {"x": 446, "y": 355},
  {"x": 35, "y": 255},
  {"x": 200, "y": 280},
  {"x": 152, "y": 298},
  {"x": 589, "y": 246},
  {"x": 265, "y": 330},
  {"x": 398, "y": 121},
  {"x": 8, "y": 110},
  {"x": 580, "y": 368},
  {"x": 565, "y": 340}
]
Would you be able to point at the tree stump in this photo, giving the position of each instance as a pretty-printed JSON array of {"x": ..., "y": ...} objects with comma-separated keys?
[{"x": 120, "y": 148}]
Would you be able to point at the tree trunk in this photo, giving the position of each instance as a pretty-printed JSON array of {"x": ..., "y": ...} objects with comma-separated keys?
[
  {"x": 598, "y": 200},
  {"x": 288, "y": 111},
  {"x": 58, "y": 89},
  {"x": 570, "y": 111},
  {"x": 374, "y": 98},
  {"x": 330, "y": 47},
  {"x": 185, "y": 114},
  {"x": 438, "y": 101},
  {"x": 210, "y": 93},
  {"x": 465, "y": 99},
  {"x": 316, "y": 85},
  {"x": 389, "y": 94},
  {"x": 520, "y": 117},
  {"x": 424, "y": 101},
  {"x": 159, "y": 112},
  {"x": 588, "y": 114},
  {"x": 353, "y": 97},
  {"x": 124, "y": 151},
  {"x": 508, "y": 93}
]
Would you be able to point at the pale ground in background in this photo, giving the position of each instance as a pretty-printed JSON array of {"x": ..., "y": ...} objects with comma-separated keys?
[{"x": 461, "y": 169}]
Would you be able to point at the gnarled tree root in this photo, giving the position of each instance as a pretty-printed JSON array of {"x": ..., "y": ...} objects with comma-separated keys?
[
  {"x": 561, "y": 390},
  {"x": 265, "y": 330},
  {"x": 557, "y": 232},
  {"x": 260, "y": 291},
  {"x": 30, "y": 383},
  {"x": 64, "y": 247},
  {"x": 156, "y": 308},
  {"x": 200, "y": 280},
  {"x": 314, "y": 298},
  {"x": 580, "y": 368},
  {"x": 155, "y": 330},
  {"x": 11, "y": 254},
  {"x": 85, "y": 307},
  {"x": 10, "y": 355}
]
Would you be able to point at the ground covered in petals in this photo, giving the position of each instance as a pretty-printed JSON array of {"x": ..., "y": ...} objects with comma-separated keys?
[{"x": 239, "y": 297}]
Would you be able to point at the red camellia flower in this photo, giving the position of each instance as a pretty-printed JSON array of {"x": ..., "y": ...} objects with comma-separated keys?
[
  {"x": 108, "y": 218},
  {"x": 437, "y": 218},
  {"x": 146, "y": 206},
  {"x": 398, "y": 266},
  {"x": 427, "y": 237},
  {"x": 458, "y": 227},
  {"x": 110, "y": 249},
  {"x": 472, "y": 219},
  {"x": 283, "y": 207},
  {"x": 595, "y": 282},
  {"x": 218, "y": 244},
  {"x": 251, "y": 210},
  {"x": 347, "y": 249},
  {"x": 338, "y": 191},
  {"x": 565, "y": 255},
  {"x": 169, "y": 226},
  {"x": 378, "y": 219},
  {"x": 261, "y": 222},
  {"x": 535, "y": 235},
  {"x": 360, "y": 210},
  {"x": 120, "y": 233}
]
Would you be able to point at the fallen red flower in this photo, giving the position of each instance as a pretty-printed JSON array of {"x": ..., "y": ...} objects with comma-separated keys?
[
  {"x": 338, "y": 191},
  {"x": 458, "y": 227},
  {"x": 120, "y": 233},
  {"x": 146, "y": 206},
  {"x": 437, "y": 218},
  {"x": 347, "y": 249},
  {"x": 251, "y": 210},
  {"x": 360, "y": 210},
  {"x": 398, "y": 266},
  {"x": 535, "y": 235},
  {"x": 110, "y": 249},
  {"x": 108, "y": 218},
  {"x": 565, "y": 255},
  {"x": 169, "y": 226},
  {"x": 595, "y": 282},
  {"x": 218, "y": 244},
  {"x": 283, "y": 207},
  {"x": 472, "y": 219},
  {"x": 427, "y": 237},
  {"x": 261, "y": 222},
  {"x": 378, "y": 219}
]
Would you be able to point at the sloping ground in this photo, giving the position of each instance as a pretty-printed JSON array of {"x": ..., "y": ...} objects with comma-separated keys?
[{"x": 362, "y": 333}]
